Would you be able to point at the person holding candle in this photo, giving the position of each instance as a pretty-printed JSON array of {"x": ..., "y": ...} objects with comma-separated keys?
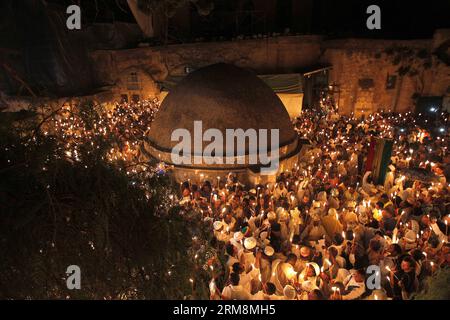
[
  {"x": 408, "y": 281},
  {"x": 234, "y": 291},
  {"x": 355, "y": 285},
  {"x": 290, "y": 228},
  {"x": 245, "y": 278},
  {"x": 283, "y": 272}
]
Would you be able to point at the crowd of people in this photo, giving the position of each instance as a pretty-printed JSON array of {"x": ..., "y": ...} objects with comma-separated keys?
[
  {"x": 124, "y": 124},
  {"x": 325, "y": 229}
]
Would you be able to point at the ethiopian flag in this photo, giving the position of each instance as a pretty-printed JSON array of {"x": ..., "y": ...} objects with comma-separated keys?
[{"x": 378, "y": 158}]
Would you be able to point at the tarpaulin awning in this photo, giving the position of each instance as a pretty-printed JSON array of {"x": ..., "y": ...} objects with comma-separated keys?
[
  {"x": 284, "y": 83},
  {"x": 315, "y": 69},
  {"x": 280, "y": 83}
]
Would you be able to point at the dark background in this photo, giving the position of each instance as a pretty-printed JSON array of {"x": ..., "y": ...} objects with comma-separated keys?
[
  {"x": 42, "y": 57},
  {"x": 341, "y": 18}
]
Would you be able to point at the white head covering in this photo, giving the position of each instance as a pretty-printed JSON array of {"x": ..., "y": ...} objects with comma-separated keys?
[
  {"x": 315, "y": 266},
  {"x": 250, "y": 243},
  {"x": 316, "y": 204},
  {"x": 284, "y": 215},
  {"x": 334, "y": 192},
  {"x": 269, "y": 251},
  {"x": 238, "y": 236},
  {"x": 378, "y": 294},
  {"x": 363, "y": 218},
  {"x": 410, "y": 236},
  {"x": 295, "y": 213},
  {"x": 322, "y": 196},
  {"x": 309, "y": 286},
  {"x": 272, "y": 215},
  {"x": 217, "y": 225},
  {"x": 289, "y": 292},
  {"x": 350, "y": 204}
]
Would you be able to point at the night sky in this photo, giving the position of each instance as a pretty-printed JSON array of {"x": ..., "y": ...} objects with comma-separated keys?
[
  {"x": 399, "y": 18},
  {"x": 344, "y": 18}
]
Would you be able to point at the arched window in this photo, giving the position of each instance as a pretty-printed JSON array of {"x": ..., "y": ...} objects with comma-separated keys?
[{"x": 133, "y": 81}]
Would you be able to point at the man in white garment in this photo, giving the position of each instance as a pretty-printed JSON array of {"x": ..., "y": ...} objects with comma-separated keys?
[
  {"x": 234, "y": 291},
  {"x": 247, "y": 277},
  {"x": 355, "y": 285}
]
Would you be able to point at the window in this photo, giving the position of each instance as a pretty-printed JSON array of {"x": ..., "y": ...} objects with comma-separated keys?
[
  {"x": 366, "y": 83},
  {"x": 390, "y": 82},
  {"x": 133, "y": 81},
  {"x": 124, "y": 98},
  {"x": 135, "y": 98}
]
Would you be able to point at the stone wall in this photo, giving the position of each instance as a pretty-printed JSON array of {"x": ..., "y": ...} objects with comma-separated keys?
[
  {"x": 155, "y": 64},
  {"x": 360, "y": 67}
]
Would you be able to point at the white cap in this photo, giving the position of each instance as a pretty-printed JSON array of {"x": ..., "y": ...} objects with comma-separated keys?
[
  {"x": 238, "y": 236},
  {"x": 322, "y": 196},
  {"x": 279, "y": 211},
  {"x": 378, "y": 294},
  {"x": 351, "y": 204},
  {"x": 269, "y": 251},
  {"x": 315, "y": 266},
  {"x": 363, "y": 218},
  {"x": 295, "y": 213},
  {"x": 249, "y": 243},
  {"x": 309, "y": 286},
  {"x": 217, "y": 225},
  {"x": 272, "y": 215},
  {"x": 289, "y": 292},
  {"x": 410, "y": 236},
  {"x": 334, "y": 192}
]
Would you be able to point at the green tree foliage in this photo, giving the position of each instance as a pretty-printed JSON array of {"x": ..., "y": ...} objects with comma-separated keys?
[
  {"x": 437, "y": 286},
  {"x": 412, "y": 63},
  {"x": 56, "y": 212}
]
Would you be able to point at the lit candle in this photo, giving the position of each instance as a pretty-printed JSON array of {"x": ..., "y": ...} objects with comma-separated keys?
[
  {"x": 446, "y": 228},
  {"x": 390, "y": 270},
  {"x": 192, "y": 284}
]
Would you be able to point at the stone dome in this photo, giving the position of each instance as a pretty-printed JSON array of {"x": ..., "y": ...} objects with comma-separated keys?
[{"x": 222, "y": 96}]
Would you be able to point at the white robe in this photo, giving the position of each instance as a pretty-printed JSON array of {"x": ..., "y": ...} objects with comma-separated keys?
[{"x": 235, "y": 293}]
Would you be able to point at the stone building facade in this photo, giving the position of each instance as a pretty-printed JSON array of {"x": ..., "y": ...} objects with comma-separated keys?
[{"x": 368, "y": 73}]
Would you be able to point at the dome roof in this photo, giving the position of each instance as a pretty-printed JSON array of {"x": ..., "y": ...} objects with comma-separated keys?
[{"x": 222, "y": 96}]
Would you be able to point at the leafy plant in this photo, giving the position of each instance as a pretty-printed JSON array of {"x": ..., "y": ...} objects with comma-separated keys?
[
  {"x": 437, "y": 287},
  {"x": 121, "y": 230},
  {"x": 412, "y": 63}
]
